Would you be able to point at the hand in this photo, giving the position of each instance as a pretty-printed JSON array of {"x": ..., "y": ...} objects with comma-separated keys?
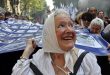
[
  {"x": 30, "y": 47},
  {"x": 31, "y": 43}
]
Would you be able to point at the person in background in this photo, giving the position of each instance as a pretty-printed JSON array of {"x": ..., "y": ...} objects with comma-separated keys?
[
  {"x": 78, "y": 20},
  {"x": 100, "y": 14},
  {"x": 93, "y": 11},
  {"x": 106, "y": 33},
  {"x": 106, "y": 36},
  {"x": 58, "y": 54},
  {"x": 106, "y": 20},
  {"x": 86, "y": 19},
  {"x": 97, "y": 27}
]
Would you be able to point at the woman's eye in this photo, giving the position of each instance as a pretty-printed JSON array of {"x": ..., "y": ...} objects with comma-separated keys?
[
  {"x": 61, "y": 25},
  {"x": 71, "y": 25}
]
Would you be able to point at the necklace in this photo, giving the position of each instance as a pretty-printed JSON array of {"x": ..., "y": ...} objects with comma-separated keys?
[{"x": 67, "y": 73}]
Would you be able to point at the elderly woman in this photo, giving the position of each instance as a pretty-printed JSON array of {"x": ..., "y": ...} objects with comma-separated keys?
[
  {"x": 96, "y": 26},
  {"x": 58, "y": 55}
]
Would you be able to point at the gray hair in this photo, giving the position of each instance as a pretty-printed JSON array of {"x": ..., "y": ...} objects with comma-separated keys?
[{"x": 98, "y": 22}]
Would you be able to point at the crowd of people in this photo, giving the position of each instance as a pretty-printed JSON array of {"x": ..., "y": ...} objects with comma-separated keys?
[
  {"x": 59, "y": 54},
  {"x": 7, "y": 15}
]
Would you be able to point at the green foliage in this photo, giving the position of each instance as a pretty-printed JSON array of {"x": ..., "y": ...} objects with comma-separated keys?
[
  {"x": 32, "y": 5},
  {"x": 32, "y": 8},
  {"x": 2, "y": 3}
]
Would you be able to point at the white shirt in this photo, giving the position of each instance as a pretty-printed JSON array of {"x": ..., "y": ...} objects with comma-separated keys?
[{"x": 42, "y": 60}]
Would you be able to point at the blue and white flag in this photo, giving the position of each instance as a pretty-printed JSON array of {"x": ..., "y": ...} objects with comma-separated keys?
[
  {"x": 13, "y": 34},
  {"x": 13, "y": 37},
  {"x": 92, "y": 43}
]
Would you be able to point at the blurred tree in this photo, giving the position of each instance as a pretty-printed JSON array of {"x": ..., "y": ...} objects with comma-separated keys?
[
  {"x": 12, "y": 6},
  {"x": 32, "y": 7},
  {"x": 2, "y": 3}
]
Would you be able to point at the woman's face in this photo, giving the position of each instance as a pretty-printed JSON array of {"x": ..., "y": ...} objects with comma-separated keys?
[
  {"x": 65, "y": 32},
  {"x": 95, "y": 29}
]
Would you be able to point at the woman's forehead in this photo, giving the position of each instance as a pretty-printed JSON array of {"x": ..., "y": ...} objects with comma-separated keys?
[
  {"x": 62, "y": 17},
  {"x": 96, "y": 25}
]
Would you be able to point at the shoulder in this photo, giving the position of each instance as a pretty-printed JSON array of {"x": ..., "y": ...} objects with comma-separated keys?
[
  {"x": 89, "y": 61},
  {"x": 40, "y": 54},
  {"x": 78, "y": 52},
  {"x": 40, "y": 58},
  {"x": 89, "y": 56},
  {"x": 89, "y": 64},
  {"x": 42, "y": 61}
]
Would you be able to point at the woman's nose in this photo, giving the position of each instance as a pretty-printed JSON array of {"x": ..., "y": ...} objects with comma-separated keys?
[{"x": 69, "y": 28}]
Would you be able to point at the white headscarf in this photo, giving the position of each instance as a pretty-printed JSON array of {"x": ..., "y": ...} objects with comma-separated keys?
[
  {"x": 49, "y": 39},
  {"x": 50, "y": 43}
]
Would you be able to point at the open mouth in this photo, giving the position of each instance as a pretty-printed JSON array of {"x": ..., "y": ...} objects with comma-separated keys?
[{"x": 68, "y": 38}]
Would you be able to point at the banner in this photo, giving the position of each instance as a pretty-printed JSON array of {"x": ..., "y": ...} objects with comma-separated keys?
[
  {"x": 13, "y": 35},
  {"x": 92, "y": 43}
]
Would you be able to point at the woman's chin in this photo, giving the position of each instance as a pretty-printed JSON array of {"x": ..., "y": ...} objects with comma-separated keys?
[{"x": 68, "y": 48}]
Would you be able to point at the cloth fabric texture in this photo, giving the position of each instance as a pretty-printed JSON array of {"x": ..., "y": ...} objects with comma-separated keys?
[{"x": 43, "y": 62}]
